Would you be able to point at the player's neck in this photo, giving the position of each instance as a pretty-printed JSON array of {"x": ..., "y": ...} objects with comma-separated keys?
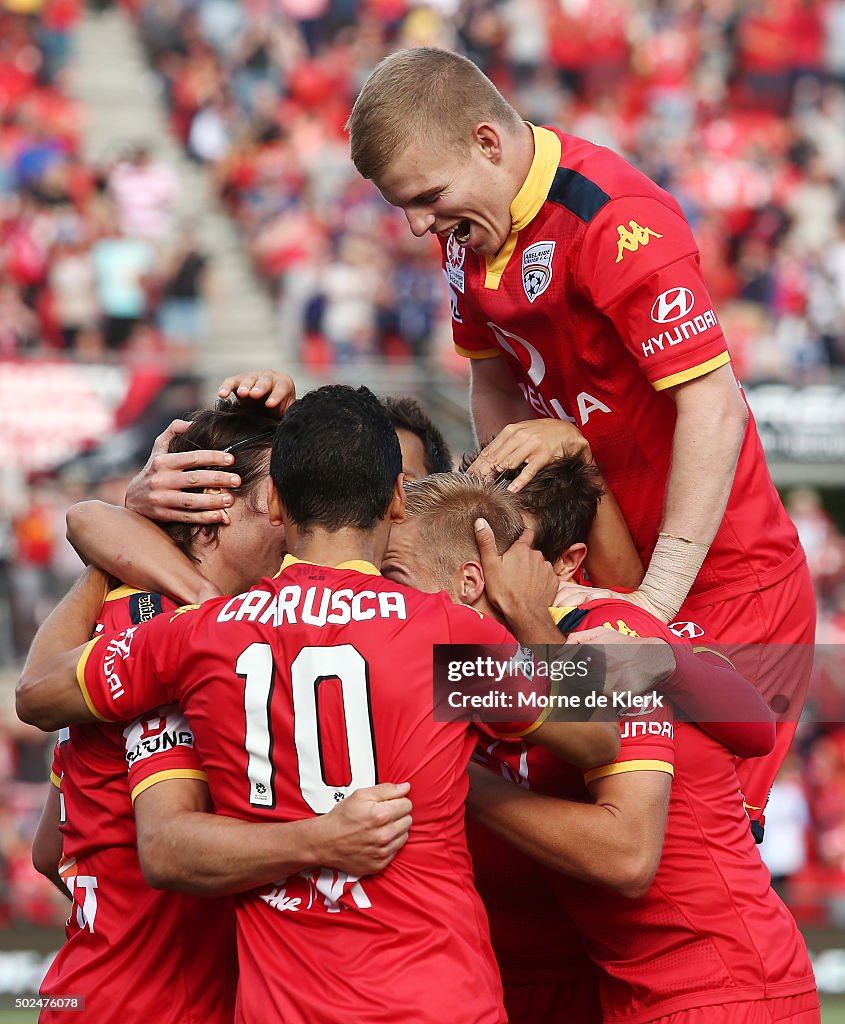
[{"x": 337, "y": 546}]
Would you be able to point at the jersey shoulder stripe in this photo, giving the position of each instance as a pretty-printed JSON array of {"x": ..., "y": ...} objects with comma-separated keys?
[{"x": 577, "y": 194}]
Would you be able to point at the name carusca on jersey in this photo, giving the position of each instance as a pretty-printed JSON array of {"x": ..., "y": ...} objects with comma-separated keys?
[{"x": 313, "y": 606}]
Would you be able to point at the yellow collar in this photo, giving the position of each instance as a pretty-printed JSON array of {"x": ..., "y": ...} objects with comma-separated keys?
[
  {"x": 359, "y": 565},
  {"x": 527, "y": 202}
]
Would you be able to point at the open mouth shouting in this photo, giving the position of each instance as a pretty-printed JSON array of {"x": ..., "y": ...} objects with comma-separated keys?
[{"x": 460, "y": 232}]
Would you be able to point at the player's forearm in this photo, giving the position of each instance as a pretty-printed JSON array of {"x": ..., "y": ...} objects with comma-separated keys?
[
  {"x": 47, "y": 843},
  {"x": 495, "y": 399},
  {"x": 584, "y": 840},
  {"x": 135, "y": 550},
  {"x": 705, "y": 450},
  {"x": 612, "y": 559},
  {"x": 47, "y": 694},
  {"x": 212, "y": 855},
  {"x": 710, "y": 426}
]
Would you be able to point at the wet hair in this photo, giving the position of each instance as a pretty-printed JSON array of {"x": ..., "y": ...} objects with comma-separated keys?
[
  {"x": 407, "y": 414},
  {"x": 335, "y": 459}
]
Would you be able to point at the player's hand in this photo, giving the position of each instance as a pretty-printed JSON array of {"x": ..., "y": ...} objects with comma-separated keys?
[
  {"x": 367, "y": 829},
  {"x": 521, "y": 580},
  {"x": 277, "y": 389},
  {"x": 157, "y": 491},
  {"x": 537, "y": 443},
  {"x": 633, "y": 664},
  {"x": 570, "y": 595}
]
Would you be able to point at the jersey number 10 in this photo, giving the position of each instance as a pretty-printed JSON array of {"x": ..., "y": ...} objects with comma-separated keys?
[{"x": 311, "y": 667}]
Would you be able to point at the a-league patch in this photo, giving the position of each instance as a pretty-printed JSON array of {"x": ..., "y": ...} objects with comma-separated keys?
[
  {"x": 143, "y": 607},
  {"x": 537, "y": 269}
]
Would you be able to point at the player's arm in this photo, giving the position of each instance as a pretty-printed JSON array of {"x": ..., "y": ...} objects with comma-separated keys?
[
  {"x": 615, "y": 841},
  {"x": 48, "y": 694},
  {"x": 182, "y": 846},
  {"x": 47, "y": 843},
  {"x": 135, "y": 550},
  {"x": 495, "y": 399},
  {"x": 709, "y": 429}
]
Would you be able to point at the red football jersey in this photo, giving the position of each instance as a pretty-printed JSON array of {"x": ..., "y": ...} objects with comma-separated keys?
[
  {"x": 710, "y": 930},
  {"x": 598, "y": 306},
  {"x": 134, "y": 953},
  {"x": 304, "y": 689}
]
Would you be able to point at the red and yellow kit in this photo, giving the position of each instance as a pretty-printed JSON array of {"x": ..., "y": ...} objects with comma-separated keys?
[
  {"x": 710, "y": 930},
  {"x": 311, "y": 685},
  {"x": 598, "y": 306},
  {"x": 136, "y": 954}
]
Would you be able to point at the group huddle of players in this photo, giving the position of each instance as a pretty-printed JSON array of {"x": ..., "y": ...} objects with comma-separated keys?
[{"x": 257, "y": 817}]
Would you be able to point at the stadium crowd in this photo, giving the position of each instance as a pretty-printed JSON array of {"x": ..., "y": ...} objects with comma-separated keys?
[
  {"x": 93, "y": 261},
  {"x": 737, "y": 108}
]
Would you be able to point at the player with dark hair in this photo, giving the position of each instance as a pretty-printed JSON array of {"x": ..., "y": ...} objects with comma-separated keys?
[
  {"x": 424, "y": 449},
  {"x": 305, "y": 688},
  {"x": 174, "y": 953}
]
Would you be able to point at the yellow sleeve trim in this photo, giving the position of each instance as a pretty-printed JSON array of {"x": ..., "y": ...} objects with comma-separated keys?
[
  {"x": 469, "y": 353},
  {"x": 124, "y": 590},
  {"x": 57, "y": 782},
  {"x": 80, "y": 678},
  {"x": 718, "y": 654},
  {"x": 694, "y": 371},
  {"x": 172, "y": 773},
  {"x": 620, "y": 767},
  {"x": 560, "y": 613}
]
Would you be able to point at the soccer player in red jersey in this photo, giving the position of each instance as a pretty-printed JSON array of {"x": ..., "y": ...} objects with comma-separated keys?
[
  {"x": 578, "y": 297},
  {"x": 684, "y": 927},
  {"x": 303, "y": 689},
  {"x": 174, "y": 953}
]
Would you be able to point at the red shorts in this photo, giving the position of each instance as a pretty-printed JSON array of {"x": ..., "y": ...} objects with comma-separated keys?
[
  {"x": 769, "y": 635},
  {"x": 803, "y": 1009},
  {"x": 556, "y": 1002}
]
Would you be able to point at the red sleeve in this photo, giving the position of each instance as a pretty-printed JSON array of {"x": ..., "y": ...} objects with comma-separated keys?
[
  {"x": 56, "y": 770},
  {"x": 640, "y": 266},
  {"x": 125, "y": 673},
  {"x": 707, "y": 688},
  {"x": 467, "y": 626},
  {"x": 647, "y": 737},
  {"x": 160, "y": 747}
]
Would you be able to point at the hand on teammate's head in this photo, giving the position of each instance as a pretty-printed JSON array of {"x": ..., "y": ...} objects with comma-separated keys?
[
  {"x": 166, "y": 488},
  {"x": 520, "y": 577},
  {"x": 276, "y": 389}
]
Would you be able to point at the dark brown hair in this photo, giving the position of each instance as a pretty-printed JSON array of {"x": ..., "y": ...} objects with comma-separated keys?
[
  {"x": 563, "y": 498},
  {"x": 218, "y": 429}
]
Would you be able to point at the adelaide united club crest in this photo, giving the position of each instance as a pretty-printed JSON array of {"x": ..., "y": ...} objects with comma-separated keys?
[{"x": 537, "y": 269}]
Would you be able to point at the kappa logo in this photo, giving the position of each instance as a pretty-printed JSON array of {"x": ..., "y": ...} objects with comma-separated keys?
[
  {"x": 671, "y": 305},
  {"x": 631, "y": 240},
  {"x": 689, "y": 630},
  {"x": 537, "y": 269},
  {"x": 455, "y": 253}
]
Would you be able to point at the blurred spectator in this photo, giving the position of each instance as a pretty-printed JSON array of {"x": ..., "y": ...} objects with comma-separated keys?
[
  {"x": 784, "y": 847},
  {"x": 122, "y": 265},
  {"x": 145, "y": 192}
]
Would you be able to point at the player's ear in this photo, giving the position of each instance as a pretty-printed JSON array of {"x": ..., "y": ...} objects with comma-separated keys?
[
  {"x": 488, "y": 138},
  {"x": 396, "y": 509},
  {"x": 469, "y": 582},
  {"x": 570, "y": 561},
  {"x": 274, "y": 504}
]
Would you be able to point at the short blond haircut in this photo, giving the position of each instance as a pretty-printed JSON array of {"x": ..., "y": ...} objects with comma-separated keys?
[
  {"x": 446, "y": 505},
  {"x": 424, "y": 94}
]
